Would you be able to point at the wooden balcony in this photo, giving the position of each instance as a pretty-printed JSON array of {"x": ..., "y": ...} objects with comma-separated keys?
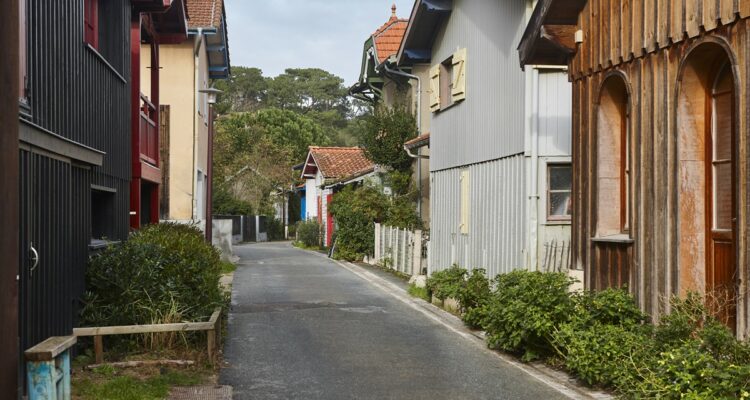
[{"x": 148, "y": 132}]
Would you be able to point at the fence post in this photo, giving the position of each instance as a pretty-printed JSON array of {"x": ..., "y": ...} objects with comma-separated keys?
[
  {"x": 377, "y": 254},
  {"x": 48, "y": 369},
  {"x": 416, "y": 263},
  {"x": 404, "y": 239}
]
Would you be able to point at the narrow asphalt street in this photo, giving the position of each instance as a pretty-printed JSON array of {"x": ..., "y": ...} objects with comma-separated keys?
[{"x": 303, "y": 327}]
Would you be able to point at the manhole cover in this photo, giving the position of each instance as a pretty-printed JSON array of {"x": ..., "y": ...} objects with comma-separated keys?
[{"x": 211, "y": 392}]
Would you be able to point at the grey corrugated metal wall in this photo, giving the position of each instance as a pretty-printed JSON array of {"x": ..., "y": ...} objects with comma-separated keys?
[
  {"x": 555, "y": 105},
  {"x": 489, "y": 124},
  {"x": 496, "y": 221}
]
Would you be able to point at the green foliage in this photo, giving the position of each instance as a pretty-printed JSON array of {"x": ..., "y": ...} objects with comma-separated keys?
[
  {"x": 162, "y": 273},
  {"x": 244, "y": 91},
  {"x": 356, "y": 211},
  {"x": 446, "y": 283},
  {"x": 607, "y": 307},
  {"x": 225, "y": 204},
  {"x": 681, "y": 324},
  {"x": 308, "y": 232},
  {"x": 474, "y": 296},
  {"x": 419, "y": 292},
  {"x": 384, "y": 134},
  {"x": 525, "y": 310},
  {"x": 275, "y": 229},
  {"x": 228, "y": 267},
  {"x": 289, "y": 130}
]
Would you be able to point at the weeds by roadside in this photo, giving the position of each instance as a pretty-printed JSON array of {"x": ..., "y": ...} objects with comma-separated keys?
[{"x": 419, "y": 292}]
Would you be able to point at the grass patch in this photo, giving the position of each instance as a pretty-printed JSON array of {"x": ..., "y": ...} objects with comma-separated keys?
[
  {"x": 227, "y": 267},
  {"x": 133, "y": 384},
  {"x": 419, "y": 292},
  {"x": 303, "y": 246}
]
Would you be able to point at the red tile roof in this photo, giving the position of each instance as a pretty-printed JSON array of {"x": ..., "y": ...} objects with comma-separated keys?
[
  {"x": 205, "y": 13},
  {"x": 388, "y": 37},
  {"x": 341, "y": 162},
  {"x": 419, "y": 141}
]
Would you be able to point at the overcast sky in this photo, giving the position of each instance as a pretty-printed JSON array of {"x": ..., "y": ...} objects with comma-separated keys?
[{"x": 277, "y": 34}]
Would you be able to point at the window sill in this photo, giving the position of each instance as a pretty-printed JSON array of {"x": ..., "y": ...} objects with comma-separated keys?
[
  {"x": 618, "y": 238},
  {"x": 105, "y": 62},
  {"x": 553, "y": 222},
  {"x": 449, "y": 106}
]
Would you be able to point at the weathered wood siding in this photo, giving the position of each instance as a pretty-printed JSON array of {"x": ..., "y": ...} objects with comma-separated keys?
[{"x": 647, "y": 41}]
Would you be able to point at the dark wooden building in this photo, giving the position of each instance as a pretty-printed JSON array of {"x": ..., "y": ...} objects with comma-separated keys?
[
  {"x": 77, "y": 107},
  {"x": 661, "y": 134}
]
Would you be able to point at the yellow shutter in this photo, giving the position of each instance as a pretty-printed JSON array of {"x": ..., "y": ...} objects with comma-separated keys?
[
  {"x": 435, "y": 88},
  {"x": 465, "y": 201},
  {"x": 458, "y": 91}
]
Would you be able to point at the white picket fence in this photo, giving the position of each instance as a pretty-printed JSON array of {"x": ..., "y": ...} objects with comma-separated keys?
[{"x": 402, "y": 250}]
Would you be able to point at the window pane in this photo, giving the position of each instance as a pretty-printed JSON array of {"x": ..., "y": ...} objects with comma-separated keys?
[
  {"x": 559, "y": 204},
  {"x": 723, "y": 196},
  {"x": 723, "y": 126},
  {"x": 560, "y": 177}
]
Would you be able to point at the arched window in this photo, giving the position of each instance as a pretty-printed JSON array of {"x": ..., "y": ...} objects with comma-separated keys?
[
  {"x": 613, "y": 161},
  {"x": 707, "y": 190}
]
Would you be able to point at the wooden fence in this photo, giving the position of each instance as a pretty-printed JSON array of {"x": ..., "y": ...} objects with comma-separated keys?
[
  {"x": 402, "y": 250},
  {"x": 212, "y": 327},
  {"x": 556, "y": 256}
]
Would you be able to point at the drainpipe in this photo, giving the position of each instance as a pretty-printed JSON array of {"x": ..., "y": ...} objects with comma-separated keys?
[
  {"x": 196, "y": 86},
  {"x": 534, "y": 195}
]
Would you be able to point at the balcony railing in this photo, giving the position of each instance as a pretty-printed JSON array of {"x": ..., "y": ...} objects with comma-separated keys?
[{"x": 149, "y": 132}]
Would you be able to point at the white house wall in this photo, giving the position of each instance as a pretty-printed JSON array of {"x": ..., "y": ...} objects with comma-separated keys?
[
  {"x": 489, "y": 123},
  {"x": 496, "y": 234},
  {"x": 311, "y": 199}
]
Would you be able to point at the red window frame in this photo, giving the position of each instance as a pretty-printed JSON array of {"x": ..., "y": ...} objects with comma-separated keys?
[
  {"x": 22, "y": 55},
  {"x": 91, "y": 22}
]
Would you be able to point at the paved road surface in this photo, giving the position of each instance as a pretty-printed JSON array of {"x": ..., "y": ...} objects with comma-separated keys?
[{"x": 303, "y": 327}]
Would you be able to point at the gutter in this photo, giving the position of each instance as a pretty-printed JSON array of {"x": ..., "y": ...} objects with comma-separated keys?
[{"x": 196, "y": 85}]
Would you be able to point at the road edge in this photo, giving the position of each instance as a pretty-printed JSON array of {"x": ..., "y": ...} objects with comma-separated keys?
[{"x": 557, "y": 380}]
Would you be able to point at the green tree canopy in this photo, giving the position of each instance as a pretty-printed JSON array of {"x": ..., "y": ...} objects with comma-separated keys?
[
  {"x": 244, "y": 91},
  {"x": 384, "y": 133}
]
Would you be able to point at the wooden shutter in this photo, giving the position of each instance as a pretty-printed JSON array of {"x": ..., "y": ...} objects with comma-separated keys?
[
  {"x": 465, "y": 201},
  {"x": 435, "y": 88},
  {"x": 458, "y": 91}
]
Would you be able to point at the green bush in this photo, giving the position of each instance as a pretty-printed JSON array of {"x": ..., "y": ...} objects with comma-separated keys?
[
  {"x": 162, "y": 273},
  {"x": 525, "y": 310},
  {"x": 355, "y": 212},
  {"x": 603, "y": 354},
  {"x": 446, "y": 283},
  {"x": 308, "y": 232},
  {"x": 275, "y": 229},
  {"x": 474, "y": 296}
]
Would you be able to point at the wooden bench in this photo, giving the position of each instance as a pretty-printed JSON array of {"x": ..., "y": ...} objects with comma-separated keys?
[{"x": 212, "y": 327}]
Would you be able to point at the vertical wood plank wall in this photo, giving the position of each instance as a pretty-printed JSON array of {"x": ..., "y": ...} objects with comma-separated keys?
[{"x": 646, "y": 41}]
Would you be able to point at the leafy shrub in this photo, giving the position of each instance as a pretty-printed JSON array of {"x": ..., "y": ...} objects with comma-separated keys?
[
  {"x": 355, "y": 212},
  {"x": 525, "y": 310},
  {"x": 683, "y": 322},
  {"x": 308, "y": 232},
  {"x": 275, "y": 229},
  {"x": 607, "y": 307},
  {"x": 162, "y": 273},
  {"x": 604, "y": 354},
  {"x": 446, "y": 283},
  {"x": 688, "y": 371},
  {"x": 474, "y": 296}
]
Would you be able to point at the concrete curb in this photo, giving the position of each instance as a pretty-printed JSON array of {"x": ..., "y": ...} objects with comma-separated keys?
[{"x": 557, "y": 380}]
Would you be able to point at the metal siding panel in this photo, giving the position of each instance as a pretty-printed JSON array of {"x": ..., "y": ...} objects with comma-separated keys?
[
  {"x": 496, "y": 236},
  {"x": 489, "y": 124},
  {"x": 554, "y": 114}
]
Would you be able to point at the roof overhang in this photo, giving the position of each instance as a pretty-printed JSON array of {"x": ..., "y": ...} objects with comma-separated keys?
[
  {"x": 217, "y": 47},
  {"x": 309, "y": 167},
  {"x": 549, "y": 38},
  {"x": 150, "y": 5},
  {"x": 427, "y": 17},
  {"x": 417, "y": 142},
  {"x": 370, "y": 84},
  {"x": 171, "y": 25}
]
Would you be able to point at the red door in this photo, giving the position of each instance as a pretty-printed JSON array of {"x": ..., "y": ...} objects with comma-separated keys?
[{"x": 721, "y": 211}]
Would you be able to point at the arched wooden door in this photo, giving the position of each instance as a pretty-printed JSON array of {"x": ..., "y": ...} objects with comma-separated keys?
[{"x": 721, "y": 210}]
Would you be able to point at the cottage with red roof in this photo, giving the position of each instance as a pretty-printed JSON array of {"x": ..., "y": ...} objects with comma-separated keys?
[
  {"x": 383, "y": 82},
  {"x": 326, "y": 169}
]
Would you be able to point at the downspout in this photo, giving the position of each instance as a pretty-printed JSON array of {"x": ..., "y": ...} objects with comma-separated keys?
[
  {"x": 534, "y": 195},
  {"x": 196, "y": 85}
]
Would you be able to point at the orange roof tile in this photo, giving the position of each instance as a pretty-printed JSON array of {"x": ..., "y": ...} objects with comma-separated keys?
[
  {"x": 388, "y": 37},
  {"x": 419, "y": 141},
  {"x": 205, "y": 13},
  {"x": 341, "y": 162}
]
